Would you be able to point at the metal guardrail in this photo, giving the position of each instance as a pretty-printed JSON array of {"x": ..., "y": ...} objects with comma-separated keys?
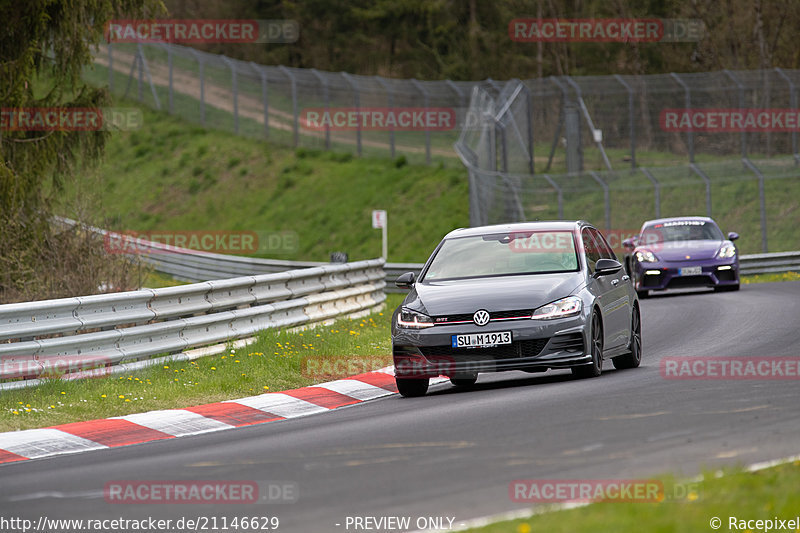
[{"x": 108, "y": 329}]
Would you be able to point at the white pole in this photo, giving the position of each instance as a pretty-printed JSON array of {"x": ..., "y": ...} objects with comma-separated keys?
[{"x": 385, "y": 240}]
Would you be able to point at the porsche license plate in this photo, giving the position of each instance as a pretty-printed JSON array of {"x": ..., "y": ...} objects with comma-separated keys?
[
  {"x": 481, "y": 339},
  {"x": 691, "y": 271}
]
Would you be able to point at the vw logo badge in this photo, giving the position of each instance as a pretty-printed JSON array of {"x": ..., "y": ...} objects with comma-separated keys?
[{"x": 481, "y": 318}]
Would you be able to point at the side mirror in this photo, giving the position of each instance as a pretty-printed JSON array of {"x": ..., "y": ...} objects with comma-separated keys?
[
  {"x": 604, "y": 267},
  {"x": 405, "y": 281},
  {"x": 630, "y": 243},
  {"x": 733, "y": 236}
]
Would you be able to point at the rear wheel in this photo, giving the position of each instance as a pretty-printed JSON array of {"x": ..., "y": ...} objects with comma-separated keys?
[
  {"x": 412, "y": 387},
  {"x": 595, "y": 368},
  {"x": 634, "y": 358},
  {"x": 464, "y": 381}
]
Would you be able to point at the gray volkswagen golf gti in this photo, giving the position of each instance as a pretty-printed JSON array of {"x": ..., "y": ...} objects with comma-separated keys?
[{"x": 529, "y": 296}]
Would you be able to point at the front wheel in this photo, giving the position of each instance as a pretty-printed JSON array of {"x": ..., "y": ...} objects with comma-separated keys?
[
  {"x": 595, "y": 368},
  {"x": 634, "y": 357},
  {"x": 412, "y": 387}
]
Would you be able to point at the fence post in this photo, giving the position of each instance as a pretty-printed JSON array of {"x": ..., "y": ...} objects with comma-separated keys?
[
  {"x": 424, "y": 92},
  {"x": 143, "y": 65},
  {"x": 560, "y": 196},
  {"x": 589, "y": 121},
  {"x": 656, "y": 188},
  {"x": 235, "y": 87},
  {"x": 201, "y": 73},
  {"x": 793, "y": 104},
  {"x": 689, "y": 134},
  {"x": 560, "y": 120},
  {"x": 264, "y": 95},
  {"x": 170, "y": 107},
  {"x": 296, "y": 125},
  {"x": 140, "y": 71},
  {"x": 390, "y": 98},
  {"x": 761, "y": 200},
  {"x": 326, "y": 97},
  {"x": 357, "y": 100},
  {"x": 733, "y": 77},
  {"x": 706, "y": 179},
  {"x": 631, "y": 120},
  {"x": 606, "y": 198},
  {"x": 110, "y": 68}
]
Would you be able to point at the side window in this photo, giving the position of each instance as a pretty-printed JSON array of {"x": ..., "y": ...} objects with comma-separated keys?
[
  {"x": 591, "y": 250},
  {"x": 605, "y": 250}
]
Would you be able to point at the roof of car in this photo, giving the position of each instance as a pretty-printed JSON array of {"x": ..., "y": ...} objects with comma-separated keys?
[
  {"x": 555, "y": 225},
  {"x": 670, "y": 219}
]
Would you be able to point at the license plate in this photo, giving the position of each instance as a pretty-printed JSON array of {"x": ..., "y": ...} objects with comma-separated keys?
[
  {"x": 691, "y": 271},
  {"x": 481, "y": 339}
]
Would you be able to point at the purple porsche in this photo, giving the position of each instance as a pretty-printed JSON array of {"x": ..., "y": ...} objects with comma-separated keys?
[{"x": 671, "y": 253}]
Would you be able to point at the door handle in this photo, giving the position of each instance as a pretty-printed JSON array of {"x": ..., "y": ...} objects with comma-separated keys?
[
  {"x": 625, "y": 277},
  {"x": 614, "y": 281}
]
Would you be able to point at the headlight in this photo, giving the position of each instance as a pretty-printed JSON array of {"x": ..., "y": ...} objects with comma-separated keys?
[
  {"x": 569, "y": 306},
  {"x": 727, "y": 250},
  {"x": 646, "y": 256},
  {"x": 414, "y": 320}
]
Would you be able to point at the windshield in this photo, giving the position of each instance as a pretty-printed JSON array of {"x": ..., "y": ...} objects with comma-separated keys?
[
  {"x": 502, "y": 254},
  {"x": 681, "y": 230}
]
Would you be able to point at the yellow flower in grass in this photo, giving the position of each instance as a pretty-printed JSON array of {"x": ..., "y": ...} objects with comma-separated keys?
[
  {"x": 266, "y": 388},
  {"x": 166, "y": 366},
  {"x": 102, "y": 395},
  {"x": 121, "y": 396},
  {"x": 15, "y": 412},
  {"x": 62, "y": 392},
  {"x": 213, "y": 368},
  {"x": 127, "y": 399}
]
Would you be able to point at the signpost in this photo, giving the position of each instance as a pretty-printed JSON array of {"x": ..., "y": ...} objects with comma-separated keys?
[{"x": 379, "y": 222}]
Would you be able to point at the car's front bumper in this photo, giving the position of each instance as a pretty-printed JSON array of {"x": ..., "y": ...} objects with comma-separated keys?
[
  {"x": 667, "y": 274},
  {"x": 536, "y": 346}
]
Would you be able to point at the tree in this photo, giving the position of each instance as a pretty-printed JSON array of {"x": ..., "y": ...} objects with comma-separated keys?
[{"x": 44, "y": 47}]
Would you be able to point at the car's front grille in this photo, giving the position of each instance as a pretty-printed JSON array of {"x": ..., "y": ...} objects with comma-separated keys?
[
  {"x": 493, "y": 315},
  {"x": 726, "y": 275},
  {"x": 651, "y": 281},
  {"x": 529, "y": 348}
]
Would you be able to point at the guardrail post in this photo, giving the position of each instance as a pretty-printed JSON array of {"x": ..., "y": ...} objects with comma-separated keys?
[
  {"x": 706, "y": 179},
  {"x": 690, "y": 133},
  {"x": 296, "y": 125},
  {"x": 793, "y": 105},
  {"x": 235, "y": 88},
  {"x": 424, "y": 92},
  {"x": 264, "y": 95},
  {"x": 326, "y": 97},
  {"x": 656, "y": 188},
  {"x": 631, "y": 119},
  {"x": 560, "y": 196},
  {"x": 761, "y": 200},
  {"x": 390, "y": 98},
  {"x": 357, "y": 100},
  {"x": 740, "y": 87},
  {"x": 606, "y": 197}
]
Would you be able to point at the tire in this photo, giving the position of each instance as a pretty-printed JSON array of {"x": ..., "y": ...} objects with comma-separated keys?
[
  {"x": 464, "y": 381},
  {"x": 634, "y": 358},
  {"x": 412, "y": 388},
  {"x": 595, "y": 368}
]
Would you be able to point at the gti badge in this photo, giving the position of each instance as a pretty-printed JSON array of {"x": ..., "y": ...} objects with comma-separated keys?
[{"x": 481, "y": 317}]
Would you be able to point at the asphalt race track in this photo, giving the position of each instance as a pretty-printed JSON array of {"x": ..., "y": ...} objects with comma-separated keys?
[{"x": 454, "y": 453}]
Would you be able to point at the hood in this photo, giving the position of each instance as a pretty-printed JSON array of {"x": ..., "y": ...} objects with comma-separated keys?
[
  {"x": 678, "y": 250},
  {"x": 504, "y": 293}
]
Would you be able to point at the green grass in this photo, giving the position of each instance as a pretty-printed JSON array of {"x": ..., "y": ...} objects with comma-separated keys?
[
  {"x": 171, "y": 175},
  {"x": 279, "y": 360},
  {"x": 767, "y": 278},
  {"x": 764, "y": 494}
]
